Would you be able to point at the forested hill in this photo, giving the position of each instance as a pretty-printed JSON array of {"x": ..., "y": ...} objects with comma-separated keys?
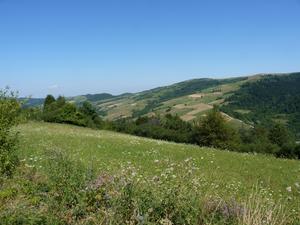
[
  {"x": 271, "y": 98},
  {"x": 259, "y": 99},
  {"x": 185, "y": 88}
]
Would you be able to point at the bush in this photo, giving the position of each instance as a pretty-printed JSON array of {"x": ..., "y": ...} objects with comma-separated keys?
[
  {"x": 257, "y": 140},
  {"x": 9, "y": 109},
  {"x": 213, "y": 131},
  {"x": 61, "y": 111},
  {"x": 280, "y": 135}
]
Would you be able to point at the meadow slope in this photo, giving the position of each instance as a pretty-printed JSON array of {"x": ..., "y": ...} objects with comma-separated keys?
[{"x": 222, "y": 173}]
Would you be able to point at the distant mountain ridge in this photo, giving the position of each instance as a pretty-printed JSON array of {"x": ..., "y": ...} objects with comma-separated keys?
[{"x": 244, "y": 99}]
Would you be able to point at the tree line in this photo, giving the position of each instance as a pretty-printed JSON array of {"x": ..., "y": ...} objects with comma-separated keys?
[
  {"x": 211, "y": 130},
  {"x": 271, "y": 98}
]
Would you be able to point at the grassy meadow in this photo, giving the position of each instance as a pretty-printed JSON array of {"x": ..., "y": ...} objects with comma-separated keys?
[{"x": 168, "y": 177}]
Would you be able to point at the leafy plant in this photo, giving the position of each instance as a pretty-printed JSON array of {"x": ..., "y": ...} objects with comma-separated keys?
[
  {"x": 9, "y": 109},
  {"x": 214, "y": 131}
]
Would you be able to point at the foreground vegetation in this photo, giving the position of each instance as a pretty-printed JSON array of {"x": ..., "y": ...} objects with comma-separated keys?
[
  {"x": 9, "y": 111},
  {"x": 73, "y": 175}
]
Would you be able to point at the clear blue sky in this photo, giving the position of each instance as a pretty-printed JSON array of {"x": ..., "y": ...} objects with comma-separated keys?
[{"x": 75, "y": 47}]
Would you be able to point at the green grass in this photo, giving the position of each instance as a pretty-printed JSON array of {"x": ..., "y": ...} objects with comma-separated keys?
[
  {"x": 225, "y": 173},
  {"x": 73, "y": 175}
]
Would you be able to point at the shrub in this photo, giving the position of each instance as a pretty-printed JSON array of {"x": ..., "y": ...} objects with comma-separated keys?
[
  {"x": 215, "y": 132},
  {"x": 61, "y": 111},
  {"x": 280, "y": 135},
  {"x": 9, "y": 109},
  {"x": 90, "y": 115}
]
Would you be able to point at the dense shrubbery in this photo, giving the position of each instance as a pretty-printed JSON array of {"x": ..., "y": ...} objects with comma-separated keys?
[
  {"x": 60, "y": 111},
  {"x": 9, "y": 109},
  {"x": 214, "y": 131},
  {"x": 276, "y": 140},
  {"x": 170, "y": 128}
]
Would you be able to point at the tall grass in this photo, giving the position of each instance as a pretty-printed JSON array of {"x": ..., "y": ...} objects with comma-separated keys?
[
  {"x": 66, "y": 192},
  {"x": 260, "y": 211}
]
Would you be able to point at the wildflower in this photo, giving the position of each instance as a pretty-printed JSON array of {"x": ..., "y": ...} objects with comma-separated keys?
[
  {"x": 29, "y": 166},
  {"x": 155, "y": 178},
  {"x": 289, "y": 189},
  {"x": 140, "y": 218},
  {"x": 188, "y": 159},
  {"x": 150, "y": 210},
  {"x": 166, "y": 221},
  {"x": 156, "y": 161}
]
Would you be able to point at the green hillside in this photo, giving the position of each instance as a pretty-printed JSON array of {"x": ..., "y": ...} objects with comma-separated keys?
[
  {"x": 272, "y": 98},
  {"x": 168, "y": 182},
  {"x": 188, "y": 99},
  {"x": 111, "y": 151},
  {"x": 259, "y": 99}
]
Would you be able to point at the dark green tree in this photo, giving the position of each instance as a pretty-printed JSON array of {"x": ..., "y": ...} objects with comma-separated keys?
[
  {"x": 88, "y": 110},
  {"x": 257, "y": 140},
  {"x": 48, "y": 101},
  {"x": 280, "y": 135},
  {"x": 214, "y": 131},
  {"x": 91, "y": 117},
  {"x": 60, "y": 101}
]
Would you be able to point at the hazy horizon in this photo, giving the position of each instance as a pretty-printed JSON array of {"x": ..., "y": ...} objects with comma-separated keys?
[{"x": 75, "y": 47}]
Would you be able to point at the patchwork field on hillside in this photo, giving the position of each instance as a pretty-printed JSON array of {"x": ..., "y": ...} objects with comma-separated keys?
[{"x": 187, "y": 106}]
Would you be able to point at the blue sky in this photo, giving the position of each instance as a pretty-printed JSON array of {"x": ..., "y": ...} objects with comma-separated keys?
[{"x": 73, "y": 47}]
